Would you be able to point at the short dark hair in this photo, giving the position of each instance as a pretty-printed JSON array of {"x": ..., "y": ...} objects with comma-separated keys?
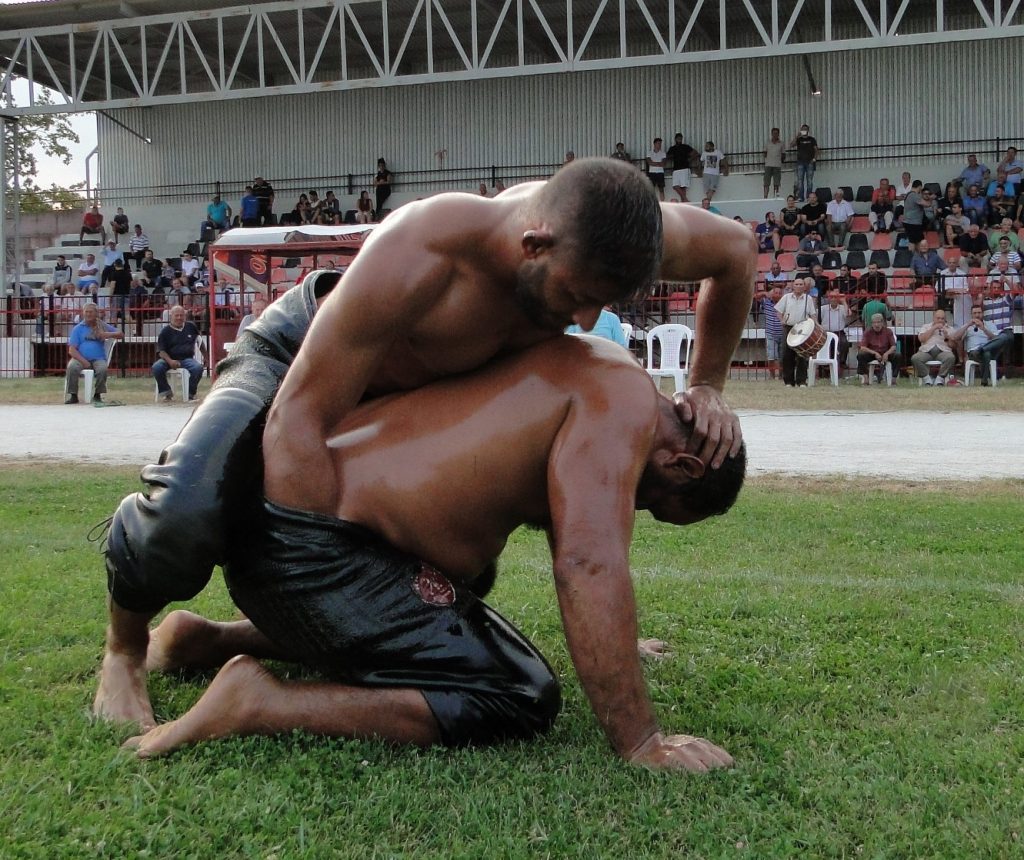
[
  {"x": 917, "y": 183},
  {"x": 657, "y": 140},
  {"x": 611, "y": 213},
  {"x": 714, "y": 492}
]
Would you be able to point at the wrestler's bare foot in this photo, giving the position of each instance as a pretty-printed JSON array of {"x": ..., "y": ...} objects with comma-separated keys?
[
  {"x": 181, "y": 640},
  {"x": 122, "y": 696},
  {"x": 226, "y": 708},
  {"x": 652, "y": 648}
]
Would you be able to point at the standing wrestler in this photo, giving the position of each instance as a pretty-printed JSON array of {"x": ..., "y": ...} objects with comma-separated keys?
[
  {"x": 377, "y": 588},
  {"x": 442, "y": 287}
]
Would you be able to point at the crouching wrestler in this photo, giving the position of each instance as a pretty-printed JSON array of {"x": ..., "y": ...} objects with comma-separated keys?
[{"x": 378, "y": 588}]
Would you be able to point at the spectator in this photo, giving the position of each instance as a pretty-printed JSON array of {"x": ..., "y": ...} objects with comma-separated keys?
[
  {"x": 819, "y": 282},
  {"x": 119, "y": 225},
  {"x": 656, "y": 167},
  {"x": 874, "y": 306},
  {"x": 364, "y": 208},
  {"x": 316, "y": 205},
  {"x": 776, "y": 275},
  {"x": 483, "y": 190},
  {"x": 69, "y": 302},
  {"x": 263, "y": 191},
  {"x": 152, "y": 269},
  {"x": 845, "y": 282},
  {"x": 167, "y": 274},
  {"x": 997, "y": 310},
  {"x": 298, "y": 215},
  {"x": 1004, "y": 229},
  {"x": 838, "y": 215},
  {"x": 713, "y": 165},
  {"x": 1005, "y": 252},
  {"x": 1002, "y": 278},
  {"x": 92, "y": 223},
  {"x": 955, "y": 225},
  {"x": 812, "y": 216},
  {"x": 793, "y": 308},
  {"x": 138, "y": 244},
  {"x": 951, "y": 198},
  {"x": 974, "y": 247},
  {"x": 767, "y": 232},
  {"x": 774, "y": 155},
  {"x": 903, "y": 189},
  {"x": 976, "y": 337},
  {"x": 110, "y": 255},
  {"x": 705, "y": 204},
  {"x": 608, "y": 326},
  {"x": 259, "y": 305},
  {"x": 918, "y": 211},
  {"x": 1000, "y": 206},
  {"x": 382, "y": 185},
  {"x": 972, "y": 174},
  {"x": 570, "y": 157},
  {"x": 138, "y": 298},
  {"x": 789, "y": 218},
  {"x": 766, "y": 301},
  {"x": 683, "y": 156},
  {"x": 1012, "y": 167},
  {"x": 332, "y": 208},
  {"x": 249, "y": 208},
  {"x": 88, "y": 274},
  {"x": 976, "y": 206},
  {"x": 882, "y": 211},
  {"x": 954, "y": 289},
  {"x": 61, "y": 273},
  {"x": 878, "y": 343},
  {"x": 121, "y": 278},
  {"x": 925, "y": 264},
  {"x": 806, "y": 161},
  {"x": 218, "y": 216},
  {"x": 176, "y": 347},
  {"x": 811, "y": 247},
  {"x": 620, "y": 152},
  {"x": 87, "y": 348},
  {"x": 835, "y": 317},
  {"x": 936, "y": 345},
  {"x": 189, "y": 268}
]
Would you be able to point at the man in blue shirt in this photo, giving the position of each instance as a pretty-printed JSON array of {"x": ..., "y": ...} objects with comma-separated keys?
[
  {"x": 87, "y": 346},
  {"x": 972, "y": 174},
  {"x": 926, "y": 264},
  {"x": 608, "y": 326},
  {"x": 250, "y": 208}
]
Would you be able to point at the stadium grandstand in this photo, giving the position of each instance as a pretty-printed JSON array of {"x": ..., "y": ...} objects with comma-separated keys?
[{"x": 195, "y": 99}]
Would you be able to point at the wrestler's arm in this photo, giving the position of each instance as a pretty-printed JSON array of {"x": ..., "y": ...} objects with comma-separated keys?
[
  {"x": 723, "y": 254},
  {"x": 593, "y": 471}
]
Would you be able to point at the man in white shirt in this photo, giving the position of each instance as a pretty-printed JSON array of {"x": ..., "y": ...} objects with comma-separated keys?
[
  {"x": 656, "y": 167},
  {"x": 776, "y": 275},
  {"x": 834, "y": 318},
  {"x": 953, "y": 284},
  {"x": 936, "y": 338},
  {"x": 189, "y": 267},
  {"x": 712, "y": 161},
  {"x": 794, "y": 308},
  {"x": 88, "y": 274},
  {"x": 838, "y": 215}
]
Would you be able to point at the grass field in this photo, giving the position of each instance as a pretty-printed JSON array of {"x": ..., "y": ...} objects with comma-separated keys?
[{"x": 856, "y": 646}]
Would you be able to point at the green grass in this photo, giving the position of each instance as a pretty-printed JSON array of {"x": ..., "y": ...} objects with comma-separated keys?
[{"x": 855, "y": 646}]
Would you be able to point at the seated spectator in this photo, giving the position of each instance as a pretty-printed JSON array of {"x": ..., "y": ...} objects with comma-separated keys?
[
  {"x": 189, "y": 268},
  {"x": 298, "y": 215},
  {"x": 767, "y": 233},
  {"x": 997, "y": 310},
  {"x": 87, "y": 350},
  {"x": 948, "y": 200},
  {"x": 902, "y": 189},
  {"x": 883, "y": 211},
  {"x": 811, "y": 247},
  {"x": 1012, "y": 167},
  {"x": 776, "y": 275},
  {"x": 138, "y": 300},
  {"x": 936, "y": 345},
  {"x": 812, "y": 216},
  {"x": 259, "y": 305},
  {"x": 954, "y": 290},
  {"x": 838, "y": 215},
  {"x": 789, "y": 218},
  {"x": 974, "y": 247},
  {"x": 167, "y": 274},
  {"x": 1000, "y": 206},
  {"x": 119, "y": 225},
  {"x": 925, "y": 264},
  {"x": 766, "y": 300},
  {"x": 1005, "y": 252},
  {"x": 68, "y": 304},
  {"x": 176, "y": 347},
  {"x": 976, "y": 206},
  {"x": 878, "y": 343},
  {"x": 316, "y": 205},
  {"x": 1003, "y": 278},
  {"x": 61, "y": 274},
  {"x": 835, "y": 317},
  {"x": 152, "y": 269},
  {"x": 249, "y": 208},
  {"x": 331, "y": 212},
  {"x": 218, "y": 217},
  {"x": 955, "y": 224},
  {"x": 972, "y": 174},
  {"x": 1004, "y": 229},
  {"x": 364, "y": 208},
  {"x": 88, "y": 274},
  {"x": 873, "y": 282},
  {"x": 608, "y": 326},
  {"x": 92, "y": 223},
  {"x": 976, "y": 338},
  {"x": 138, "y": 244},
  {"x": 705, "y": 204},
  {"x": 819, "y": 282},
  {"x": 845, "y": 282}
]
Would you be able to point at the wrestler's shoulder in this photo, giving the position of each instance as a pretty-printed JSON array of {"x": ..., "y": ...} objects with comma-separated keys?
[{"x": 596, "y": 359}]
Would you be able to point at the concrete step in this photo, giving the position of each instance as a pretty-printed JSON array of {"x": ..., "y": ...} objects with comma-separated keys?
[{"x": 68, "y": 240}]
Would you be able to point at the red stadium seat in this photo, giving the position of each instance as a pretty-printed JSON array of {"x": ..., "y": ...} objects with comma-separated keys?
[
  {"x": 860, "y": 224},
  {"x": 949, "y": 252},
  {"x": 678, "y": 303},
  {"x": 787, "y": 262},
  {"x": 764, "y": 262},
  {"x": 881, "y": 242},
  {"x": 933, "y": 239},
  {"x": 790, "y": 243},
  {"x": 924, "y": 298}
]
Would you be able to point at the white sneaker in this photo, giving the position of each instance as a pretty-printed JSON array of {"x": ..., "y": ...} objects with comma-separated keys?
[
  {"x": 929, "y": 381},
  {"x": 940, "y": 380}
]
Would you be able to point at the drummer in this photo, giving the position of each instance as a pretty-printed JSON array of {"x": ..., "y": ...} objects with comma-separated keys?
[{"x": 793, "y": 308}]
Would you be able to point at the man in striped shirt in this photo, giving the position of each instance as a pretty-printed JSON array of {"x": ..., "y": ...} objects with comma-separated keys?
[
  {"x": 997, "y": 307},
  {"x": 772, "y": 327},
  {"x": 138, "y": 244}
]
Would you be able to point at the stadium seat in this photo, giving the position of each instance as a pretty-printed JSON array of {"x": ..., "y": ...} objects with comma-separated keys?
[
  {"x": 787, "y": 262},
  {"x": 671, "y": 338},
  {"x": 881, "y": 241},
  {"x": 933, "y": 239},
  {"x": 790, "y": 243},
  {"x": 847, "y": 193},
  {"x": 679, "y": 303},
  {"x": 949, "y": 252},
  {"x": 902, "y": 258},
  {"x": 864, "y": 193},
  {"x": 350, "y": 216},
  {"x": 857, "y": 242},
  {"x": 902, "y": 280},
  {"x": 924, "y": 298},
  {"x": 824, "y": 194},
  {"x": 934, "y": 187},
  {"x": 860, "y": 224},
  {"x": 855, "y": 259},
  {"x": 764, "y": 262},
  {"x": 831, "y": 260},
  {"x": 880, "y": 258}
]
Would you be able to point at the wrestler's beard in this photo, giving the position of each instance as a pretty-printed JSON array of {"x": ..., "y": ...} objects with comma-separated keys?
[{"x": 529, "y": 285}]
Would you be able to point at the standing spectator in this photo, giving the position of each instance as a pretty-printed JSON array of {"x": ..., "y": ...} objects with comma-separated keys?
[
  {"x": 119, "y": 225},
  {"x": 1012, "y": 166},
  {"x": 682, "y": 156},
  {"x": 138, "y": 244},
  {"x": 882, "y": 211},
  {"x": 976, "y": 206},
  {"x": 620, "y": 152},
  {"x": 218, "y": 216},
  {"x": 789, "y": 218},
  {"x": 774, "y": 155},
  {"x": 1005, "y": 251},
  {"x": 766, "y": 301},
  {"x": 152, "y": 269},
  {"x": 812, "y": 216},
  {"x": 972, "y": 174},
  {"x": 917, "y": 210},
  {"x": 936, "y": 345},
  {"x": 767, "y": 232},
  {"x": 838, "y": 215},
  {"x": 121, "y": 279},
  {"x": 176, "y": 346},
  {"x": 976, "y": 337},
  {"x": 713, "y": 166},
  {"x": 793, "y": 308},
  {"x": 656, "y": 167},
  {"x": 954, "y": 289},
  {"x": 92, "y": 223},
  {"x": 974, "y": 247},
  {"x": 955, "y": 224},
  {"x": 925, "y": 264},
  {"x": 263, "y": 191},
  {"x": 249, "y": 208},
  {"x": 110, "y": 255},
  {"x": 86, "y": 346},
  {"x": 878, "y": 343},
  {"x": 835, "y": 317},
  {"x": 382, "y": 184},
  {"x": 364, "y": 208},
  {"x": 88, "y": 274},
  {"x": 806, "y": 162}
]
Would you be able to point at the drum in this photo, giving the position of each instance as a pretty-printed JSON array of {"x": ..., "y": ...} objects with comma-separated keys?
[{"x": 806, "y": 338}]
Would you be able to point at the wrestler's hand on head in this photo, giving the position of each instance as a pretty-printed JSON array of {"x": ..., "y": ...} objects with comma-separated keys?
[
  {"x": 715, "y": 431},
  {"x": 679, "y": 752}
]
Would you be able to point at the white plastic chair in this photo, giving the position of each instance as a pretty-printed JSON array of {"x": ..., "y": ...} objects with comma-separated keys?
[
  {"x": 89, "y": 375},
  {"x": 182, "y": 373},
  {"x": 671, "y": 337},
  {"x": 871, "y": 372},
  {"x": 827, "y": 357},
  {"x": 627, "y": 331},
  {"x": 969, "y": 366}
]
